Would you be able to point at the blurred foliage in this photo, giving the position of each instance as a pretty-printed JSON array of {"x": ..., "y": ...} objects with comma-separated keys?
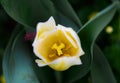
[
  {"x": 109, "y": 43},
  {"x": 85, "y": 7},
  {"x": 6, "y": 26}
]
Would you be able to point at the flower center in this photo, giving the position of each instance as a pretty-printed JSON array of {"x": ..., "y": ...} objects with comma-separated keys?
[{"x": 58, "y": 48}]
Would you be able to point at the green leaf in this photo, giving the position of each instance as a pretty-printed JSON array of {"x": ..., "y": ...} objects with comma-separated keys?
[
  {"x": 66, "y": 14},
  {"x": 112, "y": 53},
  {"x": 19, "y": 65},
  {"x": 7, "y": 55},
  {"x": 29, "y": 12},
  {"x": 88, "y": 34},
  {"x": 93, "y": 27},
  {"x": 100, "y": 70},
  {"x": 115, "y": 36}
]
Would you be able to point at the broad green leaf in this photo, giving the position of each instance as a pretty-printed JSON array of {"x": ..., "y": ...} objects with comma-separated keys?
[
  {"x": 19, "y": 65},
  {"x": 29, "y": 12},
  {"x": 115, "y": 36},
  {"x": 66, "y": 14},
  {"x": 112, "y": 52},
  {"x": 84, "y": 13},
  {"x": 88, "y": 34},
  {"x": 58, "y": 77},
  {"x": 13, "y": 67},
  {"x": 100, "y": 70},
  {"x": 7, "y": 55},
  {"x": 119, "y": 7},
  {"x": 63, "y": 20},
  {"x": 85, "y": 79},
  {"x": 4, "y": 19}
]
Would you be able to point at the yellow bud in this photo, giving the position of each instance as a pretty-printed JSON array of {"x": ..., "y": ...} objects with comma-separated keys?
[{"x": 109, "y": 29}]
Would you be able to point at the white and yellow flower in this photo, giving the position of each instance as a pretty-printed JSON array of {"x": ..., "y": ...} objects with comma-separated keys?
[{"x": 56, "y": 46}]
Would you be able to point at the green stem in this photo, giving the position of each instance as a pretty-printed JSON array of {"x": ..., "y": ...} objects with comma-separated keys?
[{"x": 58, "y": 76}]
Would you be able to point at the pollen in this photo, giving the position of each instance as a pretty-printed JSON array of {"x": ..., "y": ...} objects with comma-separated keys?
[{"x": 58, "y": 48}]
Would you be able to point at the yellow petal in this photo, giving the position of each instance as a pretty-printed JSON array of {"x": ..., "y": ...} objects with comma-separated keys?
[{"x": 64, "y": 63}]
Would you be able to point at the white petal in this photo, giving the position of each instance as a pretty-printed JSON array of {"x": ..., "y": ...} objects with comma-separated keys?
[
  {"x": 63, "y": 29},
  {"x": 36, "y": 53},
  {"x": 40, "y": 62},
  {"x": 50, "y": 24},
  {"x": 43, "y": 27},
  {"x": 73, "y": 33}
]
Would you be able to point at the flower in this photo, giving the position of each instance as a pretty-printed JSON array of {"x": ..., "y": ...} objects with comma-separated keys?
[{"x": 56, "y": 46}]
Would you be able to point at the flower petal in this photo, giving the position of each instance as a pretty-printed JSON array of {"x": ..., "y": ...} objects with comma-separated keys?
[
  {"x": 63, "y": 30},
  {"x": 64, "y": 63},
  {"x": 72, "y": 37},
  {"x": 75, "y": 37},
  {"x": 40, "y": 62},
  {"x": 44, "y": 27}
]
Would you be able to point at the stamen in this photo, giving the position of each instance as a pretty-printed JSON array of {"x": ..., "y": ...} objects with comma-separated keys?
[{"x": 58, "y": 48}]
